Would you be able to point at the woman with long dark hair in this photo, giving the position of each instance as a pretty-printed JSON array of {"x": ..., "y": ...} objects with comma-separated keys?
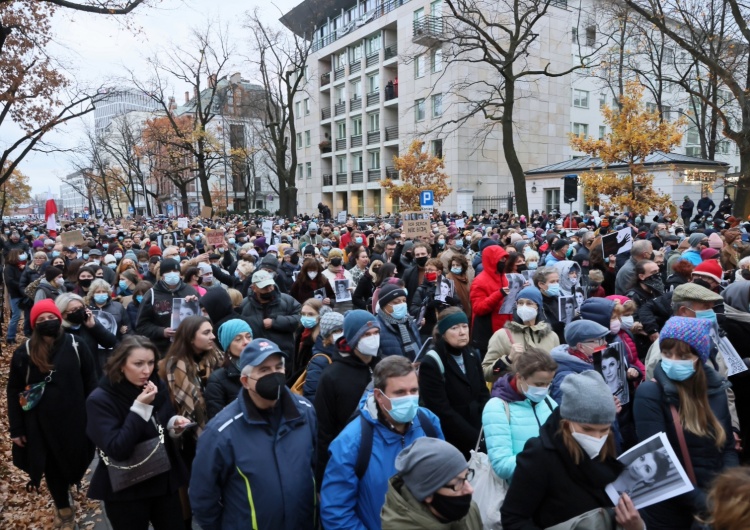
[
  {"x": 48, "y": 423},
  {"x": 305, "y": 338},
  {"x": 366, "y": 286},
  {"x": 310, "y": 279}
]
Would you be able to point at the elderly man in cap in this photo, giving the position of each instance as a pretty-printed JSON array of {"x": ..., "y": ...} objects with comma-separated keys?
[
  {"x": 254, "y": 465},
  {"x": 626, "y": 277},
  {"x": 311, "y": 237}
]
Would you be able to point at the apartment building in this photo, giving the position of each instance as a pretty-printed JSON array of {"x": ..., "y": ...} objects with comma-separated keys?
[{"x": 376, "y": 80}]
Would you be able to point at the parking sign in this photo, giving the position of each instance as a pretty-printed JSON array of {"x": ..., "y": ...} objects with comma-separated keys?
[{"x": 427, "y": 200}]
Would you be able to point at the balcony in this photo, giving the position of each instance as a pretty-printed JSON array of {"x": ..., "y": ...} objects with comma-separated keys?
[
  {"x": 357, "y": 177},
  {"x": 340, "y": 144},
  {"x": 339, "y": 108},
  {"x": 339, "y": 73},
  {"x": 373, "y": 98},
  {"x": 325, "y": 113},
  {"x": 428, "y": 31},
  {"x": 391, "y": 91},
  {"x": 391, "y": 173},
  {"x": 373, "y": 137},
  {"x": 325, "y": 146},
  {"x": 327, "y": 180},
  {"x": 325, "y": 79},
  {"x": 373, "y": 175},
  {"x": 356, "y": 141},
  {"x": 391, "y": 133},
  {"x": 341, "y": 178},
  {"x": 372, "y": 59},
  {"x": 355, "y": 67},
  {"x": 391, "y": 52},
  {"x": 355, "y": 104}
]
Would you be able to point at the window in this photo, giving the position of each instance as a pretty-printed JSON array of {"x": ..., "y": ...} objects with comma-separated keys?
[
  {"x": 374, "y": 159},
  {"x": 299, "y": 171},
  {"x": 574, "y": 34},
  {"x": 299, "y": 140},
  {"x": 437, "y": 61},
  {"x": 355, "y": 53},
  {"x": 581, "y": 129},
  {"x": 602, "y": 132},
  {"x": 669, "y": 55},
  {"x": 602, "y": 100},
  {"x": 436, "y": 8},
  {"x": 419, "y": 110},
  {"x": 591, "y": 36},
  {"x": 297, "y": 109},
  {"x": 357, "y": 126},
  {"x": 551, "y": 199},
  {"x": 341, "y": 164},
  {"x": 340, "y": 130},
  {"x": 651, "y": 107},
  {"x": 419, "y": 14},
  {"x": 306, "y": 105},
  {"x": 436, "y": 146},
  {"x": 437, "y": 105},
  {"x": 307, "y": 73},
  {"x": 373, "y": 83},
  {"x": 340, "y": 95},
  {"x": 373, "y": 122},
  {"x": 355, "y": 89},
  {"x": 308, "y": 169},
  {"x": 419, "y": 61},
  {"x": 373, "y": 44},
  {"x": 666, "y": 113},
  {"x": 693, "y": 136},
  {"x": 307, "y": 138},
  {"x": 693, "y": 150},
  {"x": 722, "y": 147},
  {"x": 339, "y": 60},
  {"x": 580, "y": 98},
  {"x": 357, "y": 162}
]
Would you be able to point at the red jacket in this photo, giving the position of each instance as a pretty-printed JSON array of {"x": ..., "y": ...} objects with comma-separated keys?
[{"x": 487, "y": 294}]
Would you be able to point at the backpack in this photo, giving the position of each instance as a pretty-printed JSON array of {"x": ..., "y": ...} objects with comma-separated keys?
[
  {"x": 30, "y": 290},
  {"x": 365, "y": 446},
  {"x": 300, "y": 382}
]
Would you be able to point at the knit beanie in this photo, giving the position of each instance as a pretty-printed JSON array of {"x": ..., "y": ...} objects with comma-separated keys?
[
  {"x": 51, "y": 273},
  {"x": 389, "y": 292},
  {"x": 709, "y": 253},
  {"x": 168, "y": 265},
  {"x": 515, "y": 237},
  {"x": 230, "y": 329},
  {"x": 693, "y": 331},
  {"x": 710, "y": 268},
  {"x": 531, "y": 293},
  {"x": 714, "y": 241},
  {"x": 696, "y": 238},
  {"x": 270, "y": 262},
  {"x": 428, "y": 464},
  {"x": 356, "y": 323},
  {"x": 45, "y": 306},
  {"x": 335, "y": 253},
  {"x": 154, "y": 250},
  {"x": 586, "y": 398},
  {"x": 330, "y": 322}
]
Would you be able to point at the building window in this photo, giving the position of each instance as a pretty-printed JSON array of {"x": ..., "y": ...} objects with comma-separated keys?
[
  {"x": 374, "y": 159},
  {"x": 419, "y": 61},
  {"x": 355, "y": 89},
  {"x": 307, "y": 138},
  {"x": 436, "y": 8},
  {"x": 666, "y": 113},
  {"x": 340, "y": 130},
  {"x": 437, "y": 61},
  {"x": 419, "y": 110},
  {"x": 602, "y": 132},
  {"x": 373, "y": 44},
  {"x": 357, "y": 162},
  {"x": 339, "y": 60},
  {"x": 602, "y": 100},
  {"x": 551, "y": 199},
  {"x": 341, "y": 164},
  {"x": 580, "y": 98},
  {"x": 373, "y": 83},
  {"x": 340, "y": 95},
  {"x": 299, "y": 171},
  {"x": 306, "y": 105},
  {"x": 574, "y": 35},
  {"x": 373, "y": 122},
  {"x": 581, "y": 129},
  {"x": 722, "y": 147},
  {"x": 308, "y": 169},
  {"x": 419, "y": 14},
  {"x": 436, "y": 146},
  {"x": 591, "y": 36},
  {"x": 355, "y": 53},
  {"x": 693, "y": 136},
  {"x": 297, "y": 109},
  {"x": 357, "y": 126},
  {"x": 437, "y": 105},
  {"x": 299, "y": 140},
  {"x": 651, "y": 107}
]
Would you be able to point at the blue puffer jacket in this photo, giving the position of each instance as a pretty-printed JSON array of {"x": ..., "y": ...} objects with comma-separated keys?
[
  {"x": 346, "y": 503},
  {"x": 598, "y": 310},
  {"x": 566, "y": 364},
  {"x": 316, "y": 366},
  {"x": 245, "y": 475},
  {"x": 505, "y": 440},
  {"x": 390, "y": 338}
]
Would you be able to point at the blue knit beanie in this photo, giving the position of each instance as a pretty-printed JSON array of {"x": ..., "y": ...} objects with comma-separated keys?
[
  {"x": 693, "y": 331},
  {"x": 230, "y": 329},
  {"x": 356, "y": 323},
  {"x": 531, "y": 293}
]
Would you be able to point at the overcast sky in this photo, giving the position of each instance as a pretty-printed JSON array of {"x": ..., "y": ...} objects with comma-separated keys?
[{"x": 98, "y": 49}]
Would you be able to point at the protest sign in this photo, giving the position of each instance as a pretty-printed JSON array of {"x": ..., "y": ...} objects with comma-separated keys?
[
  {"x": 206, "y": 212},
  {"x": 617, "y": 242},
  {"x": 416, "y": 224},
  {"x": 612, "y": 364},
  {"x": 215, "y": 237},
  {"x": 341, "y": 219},
  {"x": 268, "y": 230},
  {"x": 460, "y": 223},
  {"x": 182, "y": 222},
  {"x": 72, "y": 238}
]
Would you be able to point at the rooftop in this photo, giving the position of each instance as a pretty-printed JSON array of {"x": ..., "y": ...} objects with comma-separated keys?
[{"x": 658, "y": 158}]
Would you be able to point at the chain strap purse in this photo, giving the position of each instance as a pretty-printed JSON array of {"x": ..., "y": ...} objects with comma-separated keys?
[{"x": 149, "y": 459}]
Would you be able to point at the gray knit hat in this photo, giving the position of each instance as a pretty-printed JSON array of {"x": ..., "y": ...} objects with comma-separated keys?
[
  {"x": 330, "y": 322},
  {"x": 586, "y": 398},
  {"x": 428, "y": 464},
  {"x": 696, "y": 238}
]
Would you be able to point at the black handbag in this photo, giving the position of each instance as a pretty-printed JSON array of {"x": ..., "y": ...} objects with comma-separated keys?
[{"x": 149, "y": 459}]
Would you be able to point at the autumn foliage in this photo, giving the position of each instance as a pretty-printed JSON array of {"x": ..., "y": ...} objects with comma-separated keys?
[
  {"x": 14, "y": 192},
  {"x": 420, "y": 171},
  {"x": 636, "y": 133}
]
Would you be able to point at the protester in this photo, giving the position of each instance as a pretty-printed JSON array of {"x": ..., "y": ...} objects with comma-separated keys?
[
  {"x": 487, "y": 292},
  {"x": 224, "y": 384}
]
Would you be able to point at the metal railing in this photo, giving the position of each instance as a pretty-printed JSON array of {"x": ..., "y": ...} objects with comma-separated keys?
[
  {"x": 341, "y": 178},
  {"x": 340, "y": 144},
  {"x": 356, "y": 141},
  {"x": 391, "y": 51},
  {"x": 327, "y": 180},
  {"x": 373, "y": 98},
  {"x": 325, "y": 113},
  {"x": 428, "y": 27},
  {"x": 339, "y": 108},
  {"x": 373, "y": 59},
  {"x": 339, "y": 73},
  {"x": 391, "y": 133},
  {"x": 373, "y": 175},
  {"x": 391, "y": 173},
  {"x": 373, "y": 137},
  {"x": 325, "y": 78},
  {"x": 355, "y": 104},
  {"x": 357, "y": 177},
  {"x": 355, "y": 67}
]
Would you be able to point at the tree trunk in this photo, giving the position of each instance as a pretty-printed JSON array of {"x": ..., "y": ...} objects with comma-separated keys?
[
  {"x": 509, "y": 149},
  {"x": 288, "y": 202},
  {"x": 742, "y": 198},
  {"x": 203, "y": 178},
  {"x": 184, "y": 200}
]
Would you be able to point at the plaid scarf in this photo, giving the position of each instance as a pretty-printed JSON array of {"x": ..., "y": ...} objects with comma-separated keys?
[
  {"x": 187, "y": 394},
  {"x": 410, "y": 346}
]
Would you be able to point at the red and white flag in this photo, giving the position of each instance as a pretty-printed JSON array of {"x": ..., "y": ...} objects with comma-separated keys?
[{"x": 50, "y": 213}]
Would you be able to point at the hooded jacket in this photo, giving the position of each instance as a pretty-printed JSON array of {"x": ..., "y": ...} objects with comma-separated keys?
[
  {"x": 222, "y": 388},
  {"x": 505, "y": 437},
  {"x": 402, "y": 511},
  {"x": 486, "y": 296},
  {"x": 155, "y": 313},
  {"x": 283, "y": 310},
  {"x": 347, "y": 503},
  {"x": 539, "y": 336},
  {"x": 566, "y": 364}
]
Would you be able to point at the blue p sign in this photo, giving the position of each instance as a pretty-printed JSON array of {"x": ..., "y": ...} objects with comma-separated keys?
[{"x": 427, "y": 198}]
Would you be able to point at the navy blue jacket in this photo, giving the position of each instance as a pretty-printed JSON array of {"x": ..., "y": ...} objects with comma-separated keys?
[{"x": 390, "y": 337}]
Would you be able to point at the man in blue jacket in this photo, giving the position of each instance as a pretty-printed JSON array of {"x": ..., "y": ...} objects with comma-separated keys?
[
  {"x": 254, "y": 467},
  {"x": 351, "y": 497}
]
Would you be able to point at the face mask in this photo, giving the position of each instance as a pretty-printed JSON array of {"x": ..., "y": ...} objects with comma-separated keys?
[
  {"x": 553, "y": 290},
  {"x": 456, "y": 270},
  {"x": 532, "y": 265},
  {"x": 172, "y": 278},
  {"x": 139, "y": 298},
  {"x": 358, "y": 240},
  {"x": 590, "y": 444},
  {"x": 536, "y": 393},
  {"x": 105, "y": 245},
  {"x": 231, "y": 241},
  {"x": 451, "y": 508},
  {"x": 627, "y": 322},
  {"x": 123, "y": 285},
  {"x": 431, "y": 276},
  {"x": 312, "y": 274},
  {"x": 654, "y": 283},
  {"x": 336, "y": 262},
  {"x": 85, "y": 256},
  {"x": 59, "y": 282},
  {"x": 369, "y": 345},
  {"x": 85, "y": 283},
  {"x": 269, "y": 386},
  {"x": 614, "y": 326},
  {"x": 176, "y": 258},
  {"x": 678, "y": 370},
  {"x": 266, "y": 296},
  {"x": 459, "y": 243},
  {"x": 55, "y": 253},
  {"x": 421, "y": 261},
  {"x": 707, "y": 314},
  {"x": 101, "y": 298},
  {"x": 48, "y": 328},
  {"x": 399, "y": 311},
  {"x": 441, "y": 242},
  {"x": 526, "y": 313},
  {"x": 500, "y": 267},
  {"x": 403, "y": 409},
  {"x": 309, "y": 322},
  {"x": 118, "y": 255},
  {"x": 337, "y": 336},
  {"x": 96, "y": 261},
  {"x": 78, "y": 316},
  {"x": 23, "y": 257}
]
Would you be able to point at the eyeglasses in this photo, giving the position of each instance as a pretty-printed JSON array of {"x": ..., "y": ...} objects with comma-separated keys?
[{"x": 461, "y": 482}]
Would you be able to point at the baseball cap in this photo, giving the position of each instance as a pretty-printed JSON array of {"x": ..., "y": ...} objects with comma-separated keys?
[
  {"x": 258, "y": 351},
  {"x": 263, "y": 278}
]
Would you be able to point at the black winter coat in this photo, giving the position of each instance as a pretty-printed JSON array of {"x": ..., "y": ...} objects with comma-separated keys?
[
  {"x": 549, "y": 488},
  {"x": 283, "y": 310},
  {"x": 654, "y": 313},
  {"x": 652, "y": 415},
  {"x": 116, "y": 431},
  {"x": 155, "y": 313},
  {"x": 12, "y": 275},
  {"x": 363, "y": 293},
  {"x": 222, "y": 388},
  {"x": 56, "y": 427},
  {"x": 457, "y": 398}
]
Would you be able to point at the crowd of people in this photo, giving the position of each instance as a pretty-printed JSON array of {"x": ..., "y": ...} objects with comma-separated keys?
[{"x": 307, "y": 373}]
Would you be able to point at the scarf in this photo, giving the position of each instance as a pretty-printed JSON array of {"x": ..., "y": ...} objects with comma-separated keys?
[
  {"x": 411, "y": 349},
  {"x": 187, "y": 394}
]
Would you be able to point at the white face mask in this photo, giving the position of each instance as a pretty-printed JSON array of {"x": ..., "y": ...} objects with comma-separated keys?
[
  {"x": 312, "y": 275},
  {"x": 337, "y": 336},
  {"x": 590, "y": 444},
  {"x": 526, "y": 313},
  {"x": 369, "y": 345},
  {"x": 614, "y": 326},
  {"x": 627, "y": 322}
]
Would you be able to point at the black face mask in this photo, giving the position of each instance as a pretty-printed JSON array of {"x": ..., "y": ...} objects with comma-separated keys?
[
  {"x": 77, "y": 317},
  {"x": 85, "y": 283},
  {"x": 654, "y": 283},
  {"x": 521, "y": 268},
  {"x": 294, "y": 259},
  {"x": 336, "y": 262},
  {"x": 266, "y": 296},
  {"x": 48, "y": 328},
  {"x": 269, "y": 386},
  {"x": 408, "y": 255},
  {"x": 422, "y": 261},
  {"x": 451, "y": 508},
  {"x": 501, "y": 266}
]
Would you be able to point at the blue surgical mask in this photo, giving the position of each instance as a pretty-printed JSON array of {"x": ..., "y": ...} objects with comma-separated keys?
[
  {"x": 553, "y": 290},
  {"x": 441, "y": 242},
  {"x": 139, "y": 298},
  {"x": 231, "y": 241},
  {"x": 358, "y": 240},
  {"x": 403, "y": 409},
  {"x": 399, "y": 311},
  {"x": 55, "y": 253},
  {"x": 85, "y": 256},
  {"x": 105, "y": 245},
  {"x": 459, "y": 243},
  {"x": 536, "y": 393},
  {"x": 101, "y": 298},
  {"x": 112, "y": 266},
  {"x": 123, "y": 285},
  {"x": 532, "y": 265},
  {"x": 172, "y": 278},
  {"x": 237, "y": 274},
  {"x": 456, "y": 270},
  {"x": 309, "y": 322},
  {"x": 678, "y": 370},
  {"x": 118, "y": 255},
  {"x": 708, "y": 314}
]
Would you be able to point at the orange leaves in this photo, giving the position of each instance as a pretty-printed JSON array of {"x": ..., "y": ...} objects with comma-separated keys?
[{"x": 420, "y": 171}]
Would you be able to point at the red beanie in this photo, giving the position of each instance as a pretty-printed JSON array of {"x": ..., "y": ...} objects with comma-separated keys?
[
  {"x": 710, "y": 268},
  {"x": 154, "y": 250},
  {"x": 45, "y": 306}
]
